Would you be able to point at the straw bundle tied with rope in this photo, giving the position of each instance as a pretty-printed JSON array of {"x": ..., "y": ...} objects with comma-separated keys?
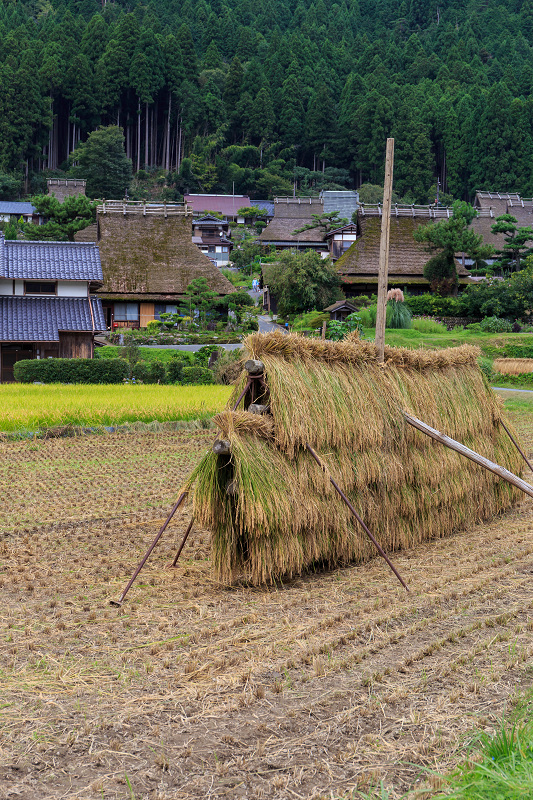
[{"x": 271, "y": 509}]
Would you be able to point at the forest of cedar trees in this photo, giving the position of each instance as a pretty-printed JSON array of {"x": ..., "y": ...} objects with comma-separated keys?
[{"x": 270, "y": 97}]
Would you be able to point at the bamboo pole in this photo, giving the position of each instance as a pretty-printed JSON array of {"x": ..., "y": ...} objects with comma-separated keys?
[
  {"x": 339, "y": 491},
  {"x": 501, "y": 472},
  {"x": 384, "y": 252}
]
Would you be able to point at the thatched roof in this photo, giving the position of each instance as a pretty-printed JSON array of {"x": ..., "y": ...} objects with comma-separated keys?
[
  {"x": 152, "y": 256},
  {"x": 291, "y": 213},
  {"x": 272, "y": 510},
  {"x": 407, "y": 258}
]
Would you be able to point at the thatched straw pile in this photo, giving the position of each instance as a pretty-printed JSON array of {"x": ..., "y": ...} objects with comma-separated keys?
[{"x": 280, "y": 514}]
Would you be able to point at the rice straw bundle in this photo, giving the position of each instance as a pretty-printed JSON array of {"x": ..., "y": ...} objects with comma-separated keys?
[{"x": 282, "y": 515}]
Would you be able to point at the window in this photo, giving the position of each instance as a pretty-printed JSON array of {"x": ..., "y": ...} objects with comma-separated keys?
[
  {"x": 211, "y": 248},
  {"x": 126, "y": 312},
  {"x": 39, "y": 287},
  {"x": 161, "y": 308}
]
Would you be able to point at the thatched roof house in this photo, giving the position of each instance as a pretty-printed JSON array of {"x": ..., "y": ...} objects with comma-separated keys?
[
  {"x": 490, "y": 205},
  {"x": 359, "y": 265},
  {"x": 291, "y": 213},
  {"x": 273, "y": 511},
  {"x": 148, "y": 260}
]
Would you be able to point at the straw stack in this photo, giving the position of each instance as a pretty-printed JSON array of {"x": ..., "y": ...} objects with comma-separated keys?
[{"x": 273, "y": 512}]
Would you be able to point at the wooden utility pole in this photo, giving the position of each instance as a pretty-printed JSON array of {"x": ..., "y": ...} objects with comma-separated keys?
[{"x": 384, "y": 252}]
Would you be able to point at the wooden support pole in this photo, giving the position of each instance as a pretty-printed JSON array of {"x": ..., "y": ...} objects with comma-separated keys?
[
  {"x": 341, "y": 494},
  {"x": 384, "y": 252},
  {"x": 501, "y": 472}
]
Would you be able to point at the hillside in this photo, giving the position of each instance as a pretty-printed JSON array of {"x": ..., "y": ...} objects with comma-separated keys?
[{"x": 257, "y": 96}]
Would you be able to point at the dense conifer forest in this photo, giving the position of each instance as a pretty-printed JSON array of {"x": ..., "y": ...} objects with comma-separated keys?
[{"x": 259, "y": 98}]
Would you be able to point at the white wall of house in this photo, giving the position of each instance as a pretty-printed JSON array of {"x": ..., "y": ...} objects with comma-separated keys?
[
  {"x": 72, "y": 288},
  {"x": 6, "y": 286},
  {"x": 19, "y": 287}
]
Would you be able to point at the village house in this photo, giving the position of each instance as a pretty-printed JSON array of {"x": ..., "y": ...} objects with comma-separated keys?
[
  {"x": 62, "y": 188},
  {"x": 291, "y": 213},
  {"x": 340, "y": 239},
  {"x": 213, "y": 237},
  {"x": 148, "y": 261},
  {"x": 358, "y": 266},
  {"x": 490, "y": 205},
  {"x": 11, "y": 211},
  {"x": 227, "y": 205},
  {"x": 47, "y": 305}
]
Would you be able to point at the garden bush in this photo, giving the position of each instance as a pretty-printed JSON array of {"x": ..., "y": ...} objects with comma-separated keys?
[
  {"x": 496, "y": 325},
  {"x": 71, "y": 370},
  {"x": 432, "y": 305},
  {"x": 427, "y": 325},
  {"x": 196, "y": 375}
]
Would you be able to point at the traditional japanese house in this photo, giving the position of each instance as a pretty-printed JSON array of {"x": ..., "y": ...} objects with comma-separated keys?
[
  {"x": 290, "y": 214},
  {"x": 47, "y": 305},
  {"x": 212, "y": 236},
  {"x": 358, "y": 266},
  {"x": 148, "y": 260},
  {"x": 226, "y": 204},
  {"x": 62, "y": 188}
]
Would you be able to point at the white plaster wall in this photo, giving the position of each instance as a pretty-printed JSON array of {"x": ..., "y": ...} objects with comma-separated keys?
[
  {"x": 19, "y": 287},
  {"x": 72, "y": 288},
  {"x": 6, "y": 286}
]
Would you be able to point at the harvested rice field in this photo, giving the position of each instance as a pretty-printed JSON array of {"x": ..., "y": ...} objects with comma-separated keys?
[{"x": 317, "y": 688}]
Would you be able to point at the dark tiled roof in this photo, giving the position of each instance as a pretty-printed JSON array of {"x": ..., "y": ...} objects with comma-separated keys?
[
  {"x": 265, "y": 205},
  {"x": 70, "y": 261},
  {"x": 406, "y": 257},
  {"x": 10, "y": 207},
  {"x": 341, "y": 304},
  {"x": 39, "y": 319}
]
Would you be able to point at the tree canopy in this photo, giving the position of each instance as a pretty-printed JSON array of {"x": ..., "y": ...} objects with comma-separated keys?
[
  {"x": 302, "y": 281},
  {"x": 260, "y": 107},
  {"x": 104, "y": 164},
  {"x": 447, "y": 238},
  {"x": 63, "y": 219}
]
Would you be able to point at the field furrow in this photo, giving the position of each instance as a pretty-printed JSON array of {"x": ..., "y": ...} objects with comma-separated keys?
[{"x": 313, "y": 688}]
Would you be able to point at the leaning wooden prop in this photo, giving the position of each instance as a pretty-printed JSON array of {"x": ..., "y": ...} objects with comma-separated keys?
[{"x": 319, "y": 414}]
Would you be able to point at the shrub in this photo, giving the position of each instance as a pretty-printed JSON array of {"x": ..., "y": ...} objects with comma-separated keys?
[
  {"x": 310, "y": 321},
  {"x": 174, "y": 369},
  {"x": 431, "y": 305},
  {"x": 153, "y": 326},
  {"x": 71, "y": 370},
  {"x": 496, "y": 325},
  {"x": 485, "y": 365},
  {"x": 368, "y": 316},
  {"x": 398, "y": 315},
  {"x": 196, "y": 375},
  {"x": 427, "y": 325}
]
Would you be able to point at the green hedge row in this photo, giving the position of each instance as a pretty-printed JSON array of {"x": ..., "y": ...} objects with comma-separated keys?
[
  {"x": 526, "y": 379},
  {"x": 109, "y": 370},
  {"x": 71, "y": 370},
  {"x": 508, "y": 350}
]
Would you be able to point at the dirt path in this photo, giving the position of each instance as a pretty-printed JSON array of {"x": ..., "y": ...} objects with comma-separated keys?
[{"x": 193, "y": 689}]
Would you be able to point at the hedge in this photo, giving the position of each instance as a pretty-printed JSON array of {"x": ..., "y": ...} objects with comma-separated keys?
[
  {"x": 196, "y": 375},
  {"x": 71, "y": 370}
]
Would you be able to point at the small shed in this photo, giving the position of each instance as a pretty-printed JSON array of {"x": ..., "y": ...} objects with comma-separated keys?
[{"x": 340, "y": 310}]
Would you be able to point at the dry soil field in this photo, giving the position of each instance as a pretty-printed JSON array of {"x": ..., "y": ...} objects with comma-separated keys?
[{"x": 316, "y": 688}]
